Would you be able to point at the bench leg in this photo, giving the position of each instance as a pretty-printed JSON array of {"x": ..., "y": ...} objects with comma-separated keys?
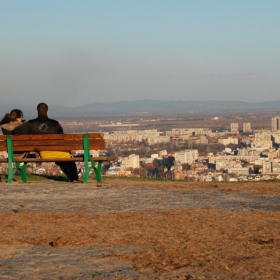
[
  {"x": 98, "y": 173},
  {"x": 11, "y": 173},
  {"x": 10, "y": 159},
  {"x": 86, "y": 173},
  {"x": 22, "y": 171}
]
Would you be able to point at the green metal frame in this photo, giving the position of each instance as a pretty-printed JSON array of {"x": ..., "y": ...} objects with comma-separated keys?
[
  {"x": 97, "y": 170},
  {"x": 13, "y": 166},
  {"x": 96, "y": 166},
  {"x": 10, "y": 159}
]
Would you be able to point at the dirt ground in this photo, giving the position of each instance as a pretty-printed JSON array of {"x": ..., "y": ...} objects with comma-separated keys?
[{"x": 191, "y": 243}]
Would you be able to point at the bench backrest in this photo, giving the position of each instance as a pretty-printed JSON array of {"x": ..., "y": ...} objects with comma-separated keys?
[{"x": 53, "y": 142}]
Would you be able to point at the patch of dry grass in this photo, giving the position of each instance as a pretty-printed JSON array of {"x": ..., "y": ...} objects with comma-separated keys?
[{"x": 233, "y": 243}]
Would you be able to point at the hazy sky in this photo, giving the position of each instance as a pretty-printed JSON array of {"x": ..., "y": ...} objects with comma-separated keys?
[{"x": 77, "y": 52}]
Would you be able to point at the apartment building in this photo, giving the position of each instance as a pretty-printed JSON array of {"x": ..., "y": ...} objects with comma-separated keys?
[
  {"x": 249, "y": 152},
  {"x": 234, "y": 128},
  {"x": 270, "y": 153},
  {"x": 157, "y": 139},
  {"x": 228, "y": 140},
  {"x": 187, "y": 156},
  {"x": 266, "y": 166},
  {"x": 262, "y": 139},
  {"x": 276, "y": 165},
  {"x": 275, "y": 123},
  {"x": 132, "y": 161},
  {"x": 276, "y": 137},
  {"x": 247, "y": 127},
  {"x": 239, "y": 171},
  {"x": 227, "y": 163},
  {"x": 189, "y": 131},
  {"x": 132, "y": 135}
]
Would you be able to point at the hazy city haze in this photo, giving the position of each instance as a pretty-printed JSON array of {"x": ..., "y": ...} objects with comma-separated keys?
[{"x": 78, "y": 52}]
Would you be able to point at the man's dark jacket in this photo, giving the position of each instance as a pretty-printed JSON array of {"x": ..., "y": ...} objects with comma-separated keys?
[
  {"x": 44, "y": 125},
  {"x": 40, "y": 125}
]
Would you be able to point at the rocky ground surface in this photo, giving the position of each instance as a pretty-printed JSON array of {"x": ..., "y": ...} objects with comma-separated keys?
[{"x": 129, "y": 229}]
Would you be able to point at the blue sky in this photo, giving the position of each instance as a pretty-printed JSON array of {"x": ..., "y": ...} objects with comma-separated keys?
[{"x": 85, "y": 51}]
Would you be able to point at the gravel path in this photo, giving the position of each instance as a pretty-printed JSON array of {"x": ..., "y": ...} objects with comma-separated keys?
[
  {"x": 64, "y": 197},
  {"x": 41, "y": 262}
]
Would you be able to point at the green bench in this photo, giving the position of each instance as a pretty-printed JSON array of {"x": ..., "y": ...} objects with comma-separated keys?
[{"x": 53, "y": 142}]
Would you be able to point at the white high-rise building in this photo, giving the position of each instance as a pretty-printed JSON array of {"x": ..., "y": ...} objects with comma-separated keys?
[
  {"x": 186, "y": 156},
  {"x": 247, "y": 127},
  {"x": 234, "y": 127},
  {"x": 275, "y": 123}
]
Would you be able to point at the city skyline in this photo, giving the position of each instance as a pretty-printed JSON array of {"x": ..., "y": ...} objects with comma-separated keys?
[{"x": 73, "y": 53}]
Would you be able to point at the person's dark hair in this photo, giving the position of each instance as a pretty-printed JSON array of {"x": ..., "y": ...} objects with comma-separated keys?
[
  {"x": 42, "y": 109},
  {"x": 7, "y": 118},
  {"x": 15, "y": 114}
]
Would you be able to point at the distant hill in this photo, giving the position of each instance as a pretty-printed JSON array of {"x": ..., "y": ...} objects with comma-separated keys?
[
  {"x": 148, "y": 106},
  {"x": 171, "y": 105}
]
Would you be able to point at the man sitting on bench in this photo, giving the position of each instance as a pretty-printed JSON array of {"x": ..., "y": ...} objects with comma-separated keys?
[{"x": 43, "y": 125}]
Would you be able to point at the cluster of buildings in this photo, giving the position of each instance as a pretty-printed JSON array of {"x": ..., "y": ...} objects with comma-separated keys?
[
  {"x": 255, "y": 156},
  {"x": 196, "y": 135},
  {"x": 246, "y": 127},
  {"x": 250, "y": 155}
]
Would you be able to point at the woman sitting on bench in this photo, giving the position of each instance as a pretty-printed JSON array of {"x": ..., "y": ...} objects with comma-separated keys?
[{"x": 9, "y": 123}]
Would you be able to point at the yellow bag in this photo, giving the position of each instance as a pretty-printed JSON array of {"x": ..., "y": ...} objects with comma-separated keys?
[{"x": 55, "y": 154}]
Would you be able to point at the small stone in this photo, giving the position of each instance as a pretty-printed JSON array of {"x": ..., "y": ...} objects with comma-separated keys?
[{"x": 54, "y": 244}]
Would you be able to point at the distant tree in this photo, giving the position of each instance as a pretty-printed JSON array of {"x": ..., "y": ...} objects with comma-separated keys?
[
  {"x": 232, "y": 146},
  {"x": 202, "y": 148},
  {"x": 136, "y": 172},
  {"x": 186, "y": 166},
  {"x": 105, "y": 167},
  {"x": 125, "y": 152},
  {"x": 143, "y": 152},
  {"x": 110, "y": 153},
  {"x": 214, "y": 148},
  {"x": 232, "y": 175}
]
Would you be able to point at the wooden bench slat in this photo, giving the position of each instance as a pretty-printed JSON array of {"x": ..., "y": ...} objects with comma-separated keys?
[
  {"x": 55, "y": 148},
  {"x": 57, "y": 142},
  {"x": 73, "y": 159},
  {"x": 56, "y": 136},
  {"x": 52, "y": 148}
]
